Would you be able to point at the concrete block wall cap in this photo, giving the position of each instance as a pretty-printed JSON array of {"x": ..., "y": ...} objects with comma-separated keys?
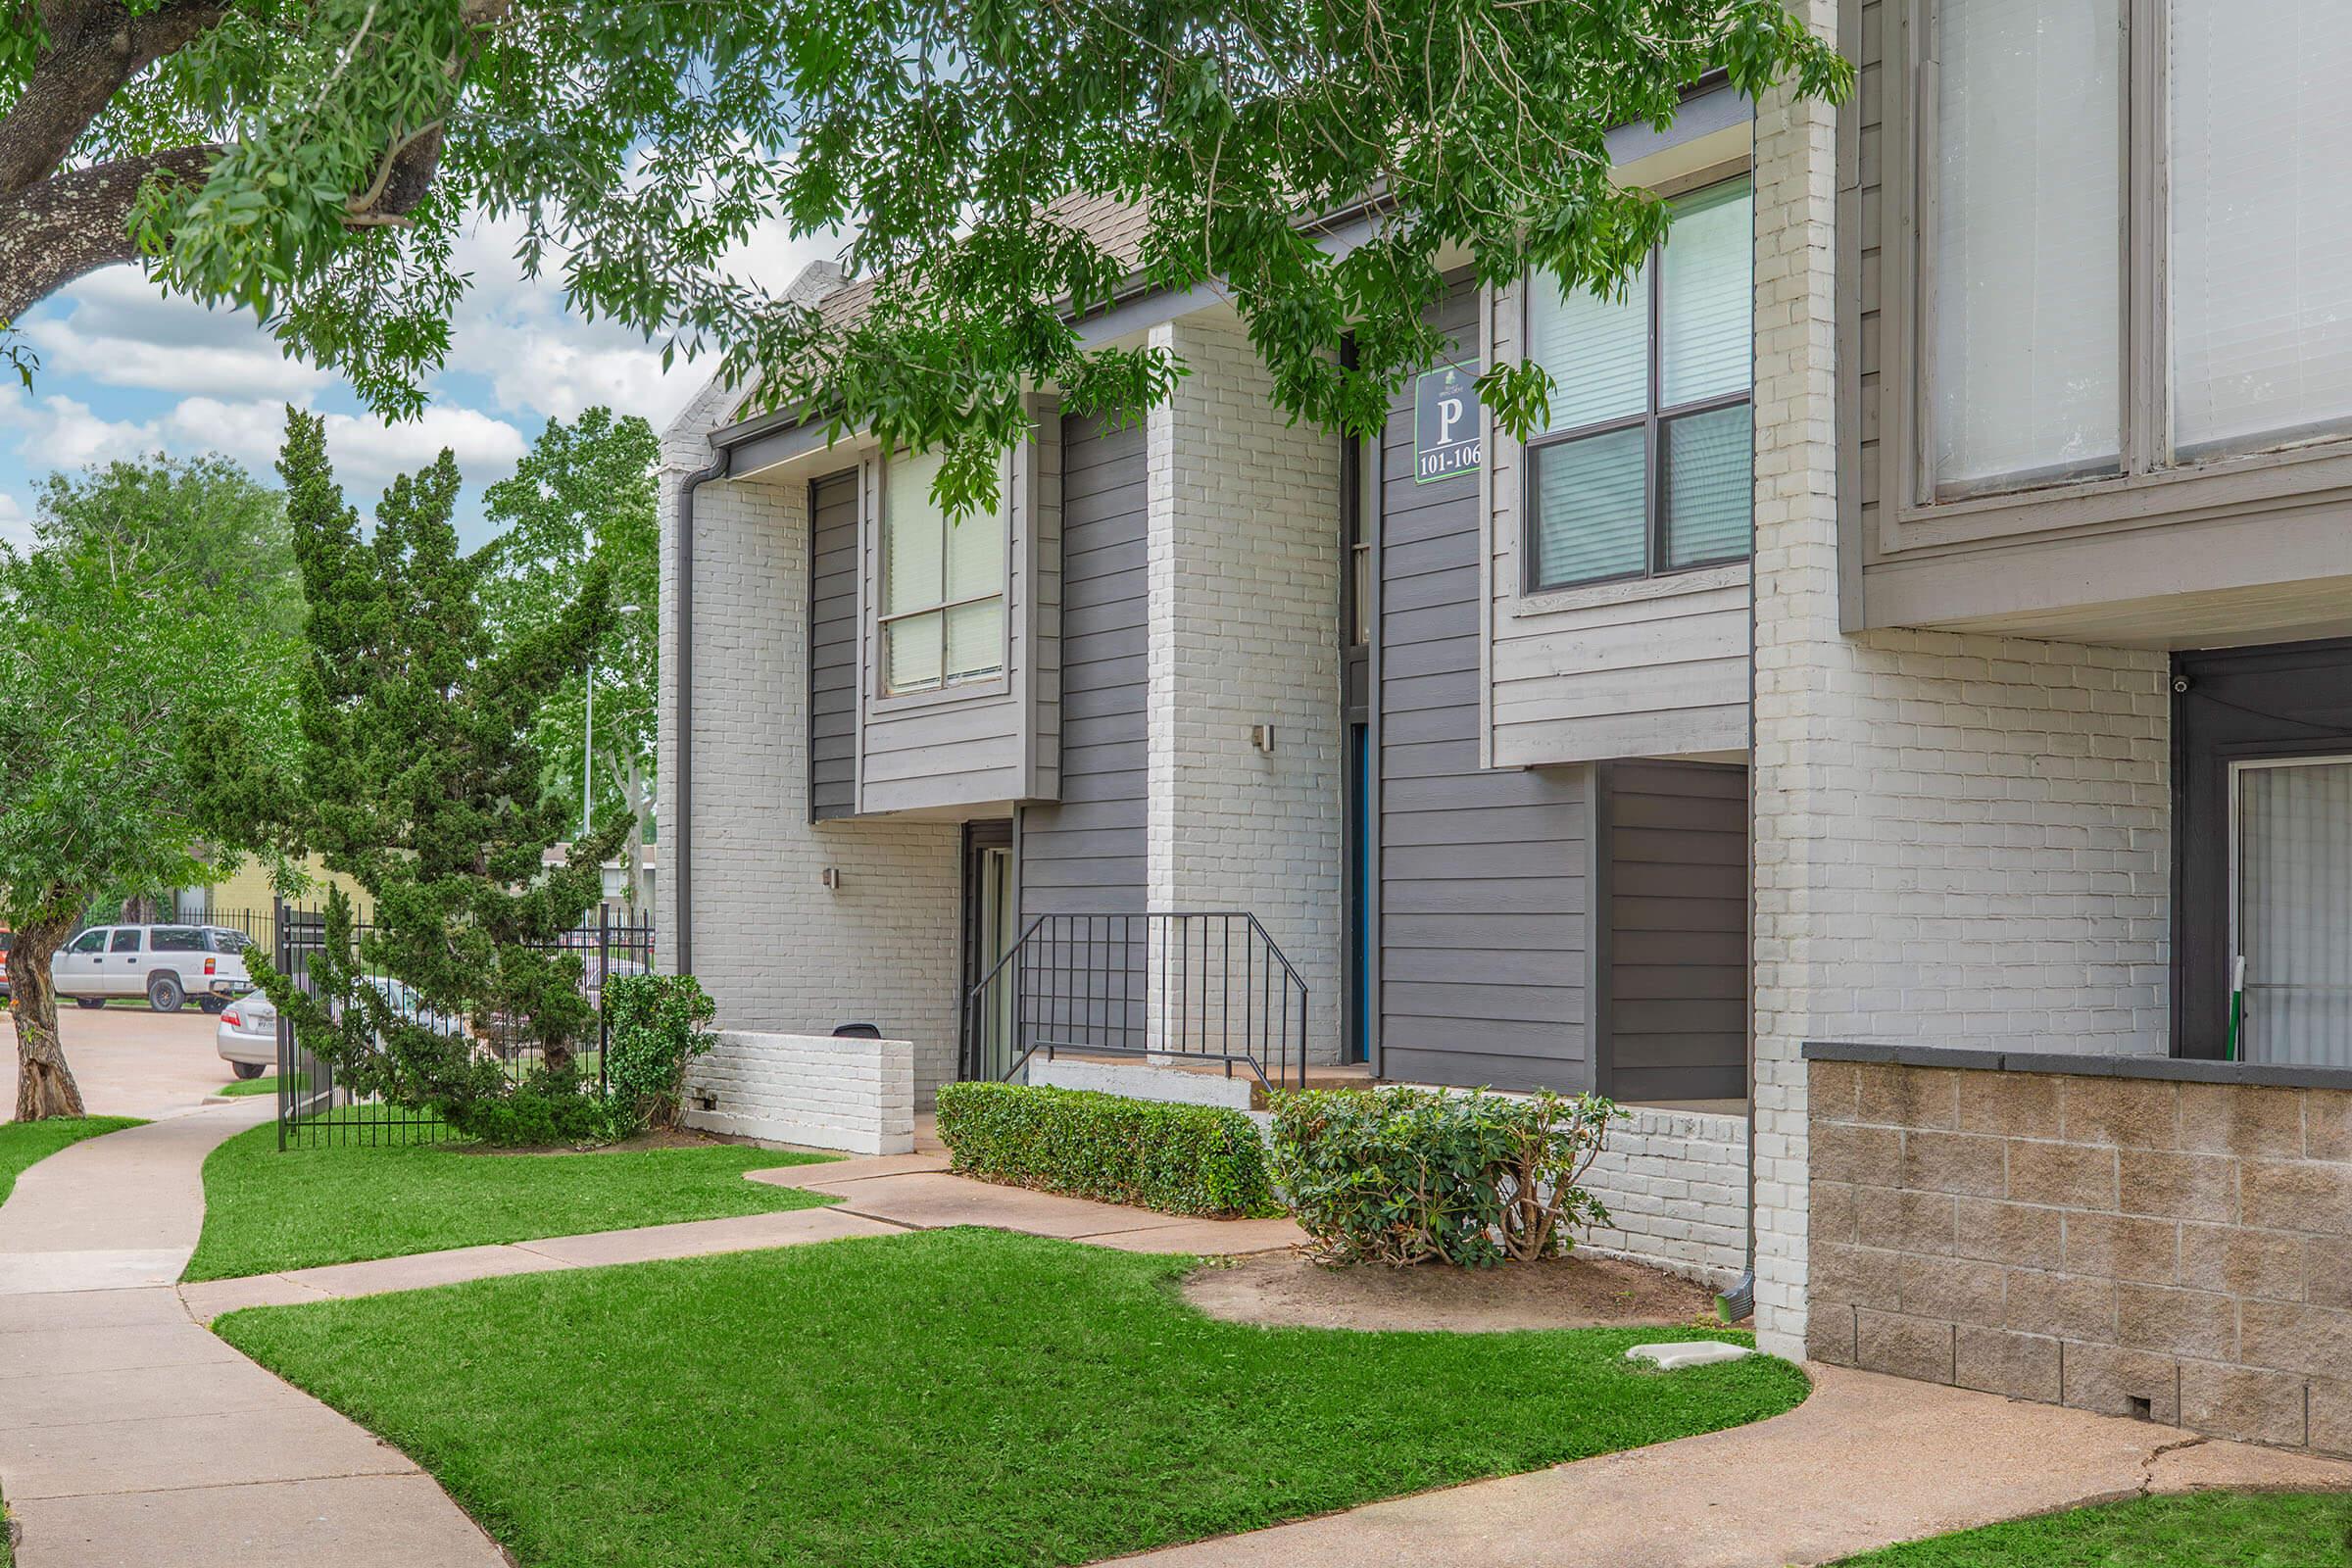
[
  {"x": 2167, "y": 1069},
  {"x": 1695, "y": 1352}
]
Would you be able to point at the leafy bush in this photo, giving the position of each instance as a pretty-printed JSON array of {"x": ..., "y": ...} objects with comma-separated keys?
[
  {"x": 544, "y": 1109},
  {"x": 1179, "y": 1160},
  {"x": 1400, "y": 1175},
  {"x": 659, "y": 1023}
]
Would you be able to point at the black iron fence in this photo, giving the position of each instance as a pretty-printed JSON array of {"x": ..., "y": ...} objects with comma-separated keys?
[
  {"x": 316, "y": 1107},
  {"x": 1208, "y": 987}
]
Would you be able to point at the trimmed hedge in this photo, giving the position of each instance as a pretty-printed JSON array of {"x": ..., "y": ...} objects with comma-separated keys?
[{"x": 1178, "y": 1159}]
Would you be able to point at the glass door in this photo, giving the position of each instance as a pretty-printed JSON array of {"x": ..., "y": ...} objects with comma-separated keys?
[{"x": 2291, "y": 910}]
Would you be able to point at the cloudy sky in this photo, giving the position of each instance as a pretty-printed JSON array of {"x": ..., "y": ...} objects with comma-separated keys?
[{"x": 125, "y": 372}]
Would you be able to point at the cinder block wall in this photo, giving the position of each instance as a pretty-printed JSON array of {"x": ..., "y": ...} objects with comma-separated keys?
[
  {"x": 2176, "y": 1251},
  {"x": 1957, "y": 840},
  {"x": 1243, "y": 630},
  {"x": 827, "y": 1093},
  {"x": 777, "y": 950}
]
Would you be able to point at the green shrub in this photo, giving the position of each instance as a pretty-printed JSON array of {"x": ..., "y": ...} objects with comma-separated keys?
[
  {"x": 659, "y": 1023},
  {"x": 1179, "y": 1160},
  {"x": 1400, "y": 1175},
  {"x": 545, "y": 1110}
]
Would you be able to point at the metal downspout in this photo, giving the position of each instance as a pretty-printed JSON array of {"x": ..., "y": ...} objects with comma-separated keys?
[{"x": 680, "y": 790}]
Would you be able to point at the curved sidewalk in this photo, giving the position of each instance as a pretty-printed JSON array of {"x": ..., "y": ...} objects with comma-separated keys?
[{"x": 129, "y": 1435}]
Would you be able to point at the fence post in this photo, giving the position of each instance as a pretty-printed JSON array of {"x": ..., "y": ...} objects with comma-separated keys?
[
  {"x": 285, "y": 1068},
  {"x": 603, "y": 977}
]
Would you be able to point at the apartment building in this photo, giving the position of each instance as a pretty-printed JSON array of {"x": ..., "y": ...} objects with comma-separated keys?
[{"x": 1897, "y": 717}]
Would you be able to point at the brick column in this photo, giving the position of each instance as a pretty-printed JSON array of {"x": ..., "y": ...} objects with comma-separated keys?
[
  {"x": 1957, "y": 840},
  {"x": 1244, "y": 631}
]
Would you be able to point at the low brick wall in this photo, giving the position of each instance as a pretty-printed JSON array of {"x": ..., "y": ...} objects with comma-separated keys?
[
  {"x": 2126, "y": 1239},
  {"x": 1676, "y": 1186},
  {"x": 815, "y": 1089}
]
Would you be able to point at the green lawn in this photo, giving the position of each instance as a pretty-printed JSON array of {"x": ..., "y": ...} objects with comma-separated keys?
[
  {"x": 264, "y": 1210},
  {"x": 946, "y": 1399},
  {"x": 23, "y": 1142},
  {"x": 267, "y": 1084},
  {"x": 2205, "y": 1530}
]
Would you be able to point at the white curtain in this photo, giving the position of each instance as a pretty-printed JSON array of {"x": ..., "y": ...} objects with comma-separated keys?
[
  {"x": 2294, "y": 911},
  {"x": 2026, "y": 253},
  {"x": 2261, "y": 229}
]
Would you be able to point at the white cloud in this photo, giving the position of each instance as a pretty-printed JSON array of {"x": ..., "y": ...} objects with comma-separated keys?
[
  {"x": 543, "y": 359},
  {"x": 59, "y": 432},
  {"x": 116, "y": 328},
  {"x": 16, "y": 527}
]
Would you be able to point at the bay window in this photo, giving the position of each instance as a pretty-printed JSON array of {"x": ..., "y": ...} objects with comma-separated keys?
[
  {"x": 2130, "y": 236},
  {"x": 943, "y": 585},
  {"x": 1644, "y": 466}
]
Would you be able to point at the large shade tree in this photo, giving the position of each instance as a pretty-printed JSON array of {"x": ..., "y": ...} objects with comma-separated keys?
[
  {"x": 117, "y": 661},
  {"x": 584, "y": 501},
  {"x": 311, "y": 160}
]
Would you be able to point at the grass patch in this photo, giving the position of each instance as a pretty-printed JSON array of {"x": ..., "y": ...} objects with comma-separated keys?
[
  {"x": 22, "y": 1143},
  {"x": 264, "y": 1210},
  {"x": 2204, "y": 1530},
  {"x": 267, "y": 1084},
  {"x": 957, "y": 1398}
]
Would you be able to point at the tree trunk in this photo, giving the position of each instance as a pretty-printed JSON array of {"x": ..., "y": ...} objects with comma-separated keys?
[{"x": 45, "y": 1085}]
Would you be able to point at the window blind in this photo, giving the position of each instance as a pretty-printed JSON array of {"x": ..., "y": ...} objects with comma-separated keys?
[
  {"x": 2294, "y": 911},
  {"x": 1709, "y": 488},
  {"x": 1707, "y": 305},
  {"x": 1592, "y": 507},
  {"x": 913, "y": 545},
  {"x": 1597, "y": 351},
  {"x": 2025, "y": 252},
  {"x": 2261, "y": 143}
]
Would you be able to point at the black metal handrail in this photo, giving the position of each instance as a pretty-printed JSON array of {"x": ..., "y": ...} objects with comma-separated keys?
[{"x": 1186, "y": 985}]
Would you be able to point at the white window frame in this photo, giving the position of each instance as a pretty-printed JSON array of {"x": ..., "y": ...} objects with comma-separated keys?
[{"x": 978, "y": 682}]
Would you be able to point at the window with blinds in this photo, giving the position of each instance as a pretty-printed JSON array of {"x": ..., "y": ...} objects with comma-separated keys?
[
  {"x": 2291, "y": 969},
  {"x": 943, "y": 585},
  {"x": 2240, "y": 323},
  {"x": 1644, "y": 465}
]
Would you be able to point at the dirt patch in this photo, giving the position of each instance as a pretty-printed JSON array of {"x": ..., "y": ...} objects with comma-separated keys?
[{"x": 1286, "y": 1290}]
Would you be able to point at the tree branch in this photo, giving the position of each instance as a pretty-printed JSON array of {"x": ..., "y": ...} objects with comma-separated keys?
[
  {"x": 77, "y": 222},
  {"x": 95, "y": 46}
]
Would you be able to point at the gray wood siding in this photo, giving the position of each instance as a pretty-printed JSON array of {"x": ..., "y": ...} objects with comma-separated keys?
[
  {"x": 833, "y": 646},
  {"x": 1482, "y": 874},
  {"x": 982, "y": 744},
  {"x": 1653, "y": 667},
  {"x": 1676, "y": 954},
  {"x": 1085, "y": 855}
]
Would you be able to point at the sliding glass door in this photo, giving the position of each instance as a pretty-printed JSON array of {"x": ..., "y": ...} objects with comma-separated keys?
[{"x": 2292, "y": 920}]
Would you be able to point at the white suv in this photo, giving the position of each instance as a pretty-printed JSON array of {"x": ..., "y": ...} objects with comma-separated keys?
[{"x": 167, "y": 964}]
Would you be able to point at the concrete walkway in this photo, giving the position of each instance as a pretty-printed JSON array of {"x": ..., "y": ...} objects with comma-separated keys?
[
  {"x": 129, "y": 1436},
  {"x": 879, "y": 1195},
  {"x": 1866, "y": 1462}
]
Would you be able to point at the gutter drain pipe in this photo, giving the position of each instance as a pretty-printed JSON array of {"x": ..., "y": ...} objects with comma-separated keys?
[{"x": 680, "y": 790}]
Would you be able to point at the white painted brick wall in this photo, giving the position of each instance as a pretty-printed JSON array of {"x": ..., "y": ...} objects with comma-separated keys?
[
  {"x": 1675, "y": 1183},
  {"x": 812, "y": 1090},
  {"x": 777, "y": 950},
  {"x": 1957, "y": 839},
  {"x": 1244, "y": 631}
]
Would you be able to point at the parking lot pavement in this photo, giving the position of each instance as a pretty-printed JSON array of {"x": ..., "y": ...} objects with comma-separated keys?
[{"x": 129, "y": 1061}]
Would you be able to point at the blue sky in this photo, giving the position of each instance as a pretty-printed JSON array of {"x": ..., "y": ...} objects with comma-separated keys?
[{"x": 126, "y": 370}]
